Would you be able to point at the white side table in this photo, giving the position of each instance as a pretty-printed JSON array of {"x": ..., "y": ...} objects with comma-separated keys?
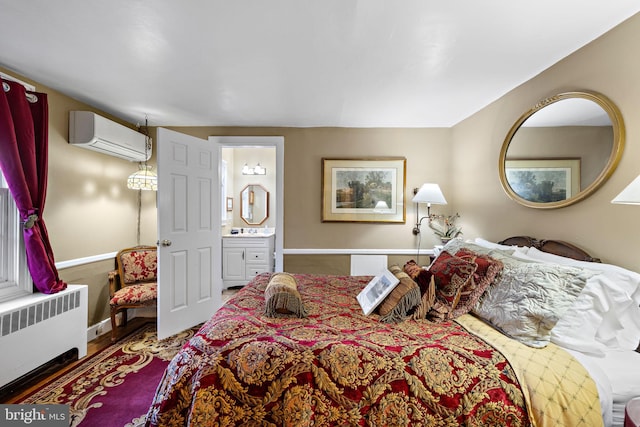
[{"x": 632, "y": 413}]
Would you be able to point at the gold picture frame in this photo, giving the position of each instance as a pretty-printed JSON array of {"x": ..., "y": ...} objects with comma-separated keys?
[
  {"x": 544, "y": 180},
  {"x": 364, "y": 190}
]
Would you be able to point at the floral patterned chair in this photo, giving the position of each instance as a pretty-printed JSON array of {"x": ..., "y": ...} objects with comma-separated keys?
[{"x": 133, "y": 284}]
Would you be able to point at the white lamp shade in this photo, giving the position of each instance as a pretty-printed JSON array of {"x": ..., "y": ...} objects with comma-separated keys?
[
  {"x": 143, "y": 179},
  {"x": 429, "y": 193},
  {"x": 382, "y": 207},
  {"x": 630, "y": 195}
]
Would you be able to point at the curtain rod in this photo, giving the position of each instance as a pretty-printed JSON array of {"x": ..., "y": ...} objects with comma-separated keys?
[{"x": 27, "y": 86}]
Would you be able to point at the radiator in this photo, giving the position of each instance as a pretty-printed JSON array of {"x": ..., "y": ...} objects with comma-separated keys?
[{"x": 38, "y": 328}]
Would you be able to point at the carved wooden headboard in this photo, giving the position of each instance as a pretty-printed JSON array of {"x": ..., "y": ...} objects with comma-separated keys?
[{"x": 556, "y": 247}]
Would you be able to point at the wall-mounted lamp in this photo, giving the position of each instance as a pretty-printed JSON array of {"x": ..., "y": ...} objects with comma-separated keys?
[
  {"x": 428, "y": 193},
  {"x": 630, "y": 195},
  {"x": 257, "y": 170}
]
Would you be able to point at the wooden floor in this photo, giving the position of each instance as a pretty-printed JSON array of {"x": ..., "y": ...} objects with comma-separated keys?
[{"x": 93, "y": 347}]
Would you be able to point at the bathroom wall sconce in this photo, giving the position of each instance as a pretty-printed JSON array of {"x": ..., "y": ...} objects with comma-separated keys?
[
  {"x": 257, "y": 170},
  {"x": 429, "y": 193}
]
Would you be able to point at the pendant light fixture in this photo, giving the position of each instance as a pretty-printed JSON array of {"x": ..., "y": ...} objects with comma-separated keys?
[{"x": 145, "y": 178}]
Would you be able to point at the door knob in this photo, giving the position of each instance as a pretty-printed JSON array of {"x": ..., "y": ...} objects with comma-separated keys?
[{"x": 166, "y": 242}]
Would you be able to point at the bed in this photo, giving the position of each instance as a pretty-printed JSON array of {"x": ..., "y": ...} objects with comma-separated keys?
[{"x": 336, "y": 366}]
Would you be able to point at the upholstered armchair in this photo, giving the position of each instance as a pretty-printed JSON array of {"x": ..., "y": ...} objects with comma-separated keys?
[{"x": 133, "y": 284}]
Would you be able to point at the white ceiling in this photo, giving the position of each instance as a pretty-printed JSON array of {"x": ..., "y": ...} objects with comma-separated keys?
[{"x": 349, "y": 63}]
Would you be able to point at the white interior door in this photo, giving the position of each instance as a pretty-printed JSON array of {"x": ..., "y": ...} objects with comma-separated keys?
[{"x": 189, "y": 279}]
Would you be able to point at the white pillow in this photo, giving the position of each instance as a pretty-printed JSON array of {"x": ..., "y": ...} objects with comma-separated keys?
[
  {"x": 546, "y": 256},
  {"x": 613, "y": 295},
  {"x": 491, "y": 245},
  {"x": 578, "y": 328}
]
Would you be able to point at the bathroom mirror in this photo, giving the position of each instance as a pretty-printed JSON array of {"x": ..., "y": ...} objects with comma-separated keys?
[
  {"x": 562, "y": 150},
  {"x": 254, "y": 204}
]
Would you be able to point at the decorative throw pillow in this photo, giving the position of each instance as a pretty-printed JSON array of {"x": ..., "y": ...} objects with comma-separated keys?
[
  {"x": 530, "y": 297},
  {"x": 282, "y": 298},
  {"x": 419, "y": 275},
  {"x": 402, "y": 300},
  {"x": 451, "y": 275},
  {"x": 427, "y": 302},
  {"x": 486, "y": 273}
]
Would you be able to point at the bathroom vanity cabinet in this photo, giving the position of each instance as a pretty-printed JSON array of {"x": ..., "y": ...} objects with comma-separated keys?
[{"x": 244, "y": 256}]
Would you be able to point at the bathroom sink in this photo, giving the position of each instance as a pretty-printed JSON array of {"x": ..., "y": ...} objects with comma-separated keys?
[{"x": 260, "y": 233}]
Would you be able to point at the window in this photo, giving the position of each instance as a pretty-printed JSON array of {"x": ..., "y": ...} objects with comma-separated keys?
[{"x": 15, "y": 280}]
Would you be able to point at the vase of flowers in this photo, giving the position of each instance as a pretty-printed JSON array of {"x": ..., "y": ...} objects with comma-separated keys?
[{"x": 444, "y": 227}]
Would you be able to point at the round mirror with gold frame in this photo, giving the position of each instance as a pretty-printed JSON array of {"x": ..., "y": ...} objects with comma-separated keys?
[{"x": 562, "y": 150}]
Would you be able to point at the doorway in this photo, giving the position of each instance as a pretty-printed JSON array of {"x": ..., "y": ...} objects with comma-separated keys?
[
  {"x": 242, "y": 168},
  {"x": 268, "y": 151}
]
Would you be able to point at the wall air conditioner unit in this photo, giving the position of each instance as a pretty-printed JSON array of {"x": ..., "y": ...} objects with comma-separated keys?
[{"x": 91, "y": 131}]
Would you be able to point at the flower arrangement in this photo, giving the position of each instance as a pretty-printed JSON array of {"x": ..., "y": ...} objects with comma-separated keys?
[{"x": 444, "y": 226}]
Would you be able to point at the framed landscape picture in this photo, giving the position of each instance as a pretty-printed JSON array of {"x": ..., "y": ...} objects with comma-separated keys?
[
  {"x": 376, "y": 291},
  {"x": 363, "y": 190},
  {"x": 544, "y": 180}
]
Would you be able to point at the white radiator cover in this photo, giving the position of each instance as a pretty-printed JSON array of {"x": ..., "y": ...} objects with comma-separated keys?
[{"x": 37, "y": 328}]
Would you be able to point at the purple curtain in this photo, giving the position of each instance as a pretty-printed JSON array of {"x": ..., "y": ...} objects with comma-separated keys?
[{"x": 24, "y": 129}]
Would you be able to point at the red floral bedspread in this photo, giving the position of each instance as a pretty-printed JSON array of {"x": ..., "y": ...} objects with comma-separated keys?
[{"x": 335, "y": 367}]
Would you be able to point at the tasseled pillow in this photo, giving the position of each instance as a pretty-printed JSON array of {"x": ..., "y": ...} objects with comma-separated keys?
[
  {"x": 282, "y": 298},
  {"x": 427, "y": 302},
  {"x": 426, "y": 283},
  {"x": 402, "y": 300}
]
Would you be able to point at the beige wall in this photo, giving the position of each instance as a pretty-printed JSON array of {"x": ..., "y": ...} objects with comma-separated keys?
[
  {"x": 427, "y": 152},
  {"x": 609, "y": 66},
  {"x": 428, "y": 160},
  {"x": 90, "y": 211}
]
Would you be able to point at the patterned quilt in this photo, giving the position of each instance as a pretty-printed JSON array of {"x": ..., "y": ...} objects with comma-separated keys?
[{"x": 334, "y": 367}]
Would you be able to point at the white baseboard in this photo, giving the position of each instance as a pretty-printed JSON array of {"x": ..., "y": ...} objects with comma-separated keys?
[
  {"x": 143, "y": 312},
  {"x": 100, "y": 328},
  {"x": 104, "y": 326}
]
